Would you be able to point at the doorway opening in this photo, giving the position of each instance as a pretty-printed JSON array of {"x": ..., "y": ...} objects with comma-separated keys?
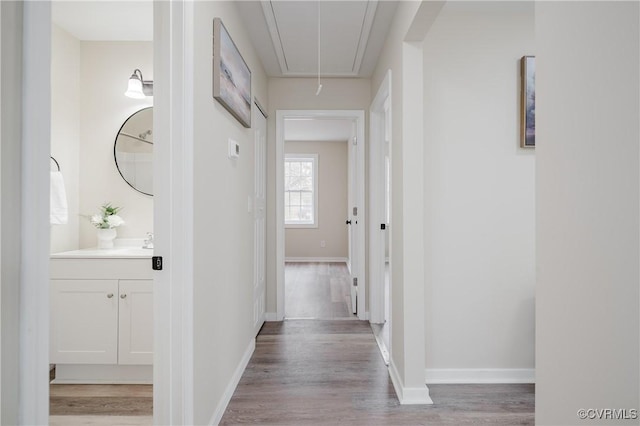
[
  {"x": 172, "y": 335},
  {"x": 316, "y": 198},
  {"x": 101, "y": 309},
  {"x": 320, "y": 215}
]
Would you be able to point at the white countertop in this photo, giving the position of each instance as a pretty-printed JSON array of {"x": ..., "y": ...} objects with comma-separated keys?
[{"x": 114, "y": 253}]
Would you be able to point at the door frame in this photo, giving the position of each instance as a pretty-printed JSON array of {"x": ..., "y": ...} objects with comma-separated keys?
[
  {"x": 174, "y": 92},
  {"x": 359, "y": 117},
  {"x": 260, "y": 257},
  {"x": 173, "y": 179},
  {"x": 376, "y": 201},
  {"x": 33, "y": 396},
  {"x": 352, "y": 193}
]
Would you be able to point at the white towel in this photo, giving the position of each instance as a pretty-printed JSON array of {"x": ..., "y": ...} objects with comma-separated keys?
[{"x": 59, "y": 208}]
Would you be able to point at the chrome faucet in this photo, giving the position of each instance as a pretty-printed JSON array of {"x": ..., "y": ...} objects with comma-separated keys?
[{"x": 148, "y": 243}]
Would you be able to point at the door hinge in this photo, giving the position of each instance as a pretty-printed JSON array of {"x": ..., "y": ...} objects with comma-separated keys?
[
  {"x": 355, "y": 211},
  {"x": 156, "y": 263},
  {"x": 355, "y": 281}
]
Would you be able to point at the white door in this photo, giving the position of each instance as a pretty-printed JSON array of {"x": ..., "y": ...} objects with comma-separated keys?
[
  {"x": 135, "y": 322},
  {"x": 379, "y": 205},
  {"x": 387, "y": 214},
  {"x": 259, "y": 231},
  {"x": 84, "y": 322},
  {"x": 352, "y": 217}
]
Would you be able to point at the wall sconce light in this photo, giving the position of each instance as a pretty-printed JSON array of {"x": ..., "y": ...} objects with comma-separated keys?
[{"x": 139, "y": 88}]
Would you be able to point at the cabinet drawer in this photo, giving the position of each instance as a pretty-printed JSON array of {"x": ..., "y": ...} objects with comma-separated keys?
[{"x": 104, "y": 269}]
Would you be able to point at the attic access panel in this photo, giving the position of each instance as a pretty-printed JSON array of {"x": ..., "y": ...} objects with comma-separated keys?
[{"x": 344, "y": 31}]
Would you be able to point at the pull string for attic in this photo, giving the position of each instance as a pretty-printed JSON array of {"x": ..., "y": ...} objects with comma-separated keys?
[{"x": 319, "y": 85}]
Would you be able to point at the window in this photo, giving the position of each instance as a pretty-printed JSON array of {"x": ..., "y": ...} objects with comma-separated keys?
[{"x": 301, "y": 190}]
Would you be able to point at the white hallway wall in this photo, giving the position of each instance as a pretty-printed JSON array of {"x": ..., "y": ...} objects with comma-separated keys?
[
  {"x": 332, "y": 204},
  {"x": 587, "y": 295},
  {"x": 407, "y": 310},
  {"x": 223, "y": 246},
  {"x": 479, "y": 196},
  {"x": 588, "y": 245}
]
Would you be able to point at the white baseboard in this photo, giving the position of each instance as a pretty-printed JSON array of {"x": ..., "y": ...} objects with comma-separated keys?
[
  {"x": 317, "y": 259},
  {"x": 233, "y": 383},
  {"x": 270, "y": 316},
  {"x": 479, "y": 375},
  {"x": 408, "y": 396}
]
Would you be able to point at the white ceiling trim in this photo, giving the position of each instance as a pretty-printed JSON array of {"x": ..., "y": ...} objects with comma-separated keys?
[
  {"x": 369, "y": 14},
  {"x": 276, "y": 39},
  {"x": 267, "y": 9}
]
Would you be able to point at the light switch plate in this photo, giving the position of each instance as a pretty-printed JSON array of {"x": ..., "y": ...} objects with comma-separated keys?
[{"x": 234, "y": 149}]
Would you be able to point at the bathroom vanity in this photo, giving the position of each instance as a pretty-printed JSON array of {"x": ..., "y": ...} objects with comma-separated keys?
[{"x": 102, "y": 316}]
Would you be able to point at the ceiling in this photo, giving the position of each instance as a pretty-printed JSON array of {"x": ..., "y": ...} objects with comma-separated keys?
[
  {"x": 285, "y": 34},
  {"x": 317, "y": 129},
  {"x": 106, "y": 20}
]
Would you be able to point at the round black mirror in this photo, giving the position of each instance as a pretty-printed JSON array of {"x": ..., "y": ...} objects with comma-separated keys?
[{"x": 133, "y": 151}]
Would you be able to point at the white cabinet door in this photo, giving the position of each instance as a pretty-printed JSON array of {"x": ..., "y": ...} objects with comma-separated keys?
[
  {"x": 135, "y": 346},
  {"x": 84, "y": 322}
]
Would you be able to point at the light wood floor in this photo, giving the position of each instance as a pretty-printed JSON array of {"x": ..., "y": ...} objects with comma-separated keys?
[
  {"x": 310, "y": 372},
  {"x": 317, "y": 290},
  {"x": 307, "y": 372},
  {"x": 100, "y": 420},
  {"x": 100, "y": 404}
]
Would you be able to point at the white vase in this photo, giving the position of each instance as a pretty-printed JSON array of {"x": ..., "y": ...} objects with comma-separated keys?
[{"x": 106, "y": 237}]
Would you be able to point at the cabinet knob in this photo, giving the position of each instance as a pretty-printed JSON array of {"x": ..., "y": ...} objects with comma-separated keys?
[
  {"x": 110, "y": 295},
  {"x": 123, "y": 296}
]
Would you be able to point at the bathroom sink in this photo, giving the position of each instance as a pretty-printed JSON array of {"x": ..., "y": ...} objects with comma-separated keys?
[{"x": 114, "y": 253}]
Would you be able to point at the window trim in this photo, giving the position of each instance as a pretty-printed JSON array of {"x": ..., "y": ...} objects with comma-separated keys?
[{"x": 314, "y": 159}]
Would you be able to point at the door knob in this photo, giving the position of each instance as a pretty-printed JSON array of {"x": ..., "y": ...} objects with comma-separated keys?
[
  {"x": 110, "y": 295},
  {"x": 348, "y": 222},
  {"x": 123, "y": 296}
]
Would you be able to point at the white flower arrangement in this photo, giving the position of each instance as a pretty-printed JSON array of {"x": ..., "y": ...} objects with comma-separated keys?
[{"x": 107, "y": 218}]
